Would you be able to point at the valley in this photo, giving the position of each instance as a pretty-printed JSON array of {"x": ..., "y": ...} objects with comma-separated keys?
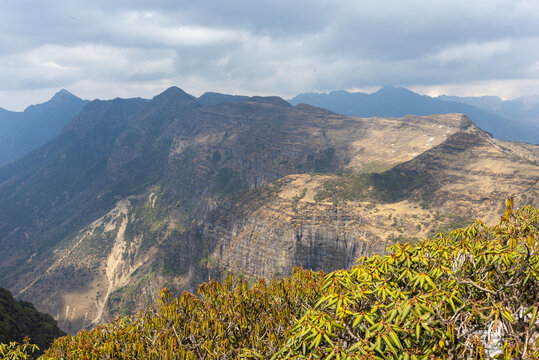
[{"x": 138, "y": 194}]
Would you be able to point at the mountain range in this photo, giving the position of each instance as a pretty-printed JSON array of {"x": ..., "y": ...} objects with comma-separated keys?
[
  {"x": 21, "y": 132},
  {"x": 136, "y": 194},
  {"x": 504, "y": 120},
  {"x": 525, "y": 109}
]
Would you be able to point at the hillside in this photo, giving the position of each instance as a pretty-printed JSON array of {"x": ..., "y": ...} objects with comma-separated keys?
[
  {"x": 391, "y": 101},
  {"x": 136, "y": 194},
  {"x": 471, "y": 293},
  {"x": 21, "y": 132},
  {"x": 20, "y": 319}
]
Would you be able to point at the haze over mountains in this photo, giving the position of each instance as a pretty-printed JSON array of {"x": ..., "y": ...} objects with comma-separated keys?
[
  {"x": 525, "y": 109},
  {"x": 134, "y": 194},
  {"x": 494, "y": 117},
  {"x": 21, "y": 132}
]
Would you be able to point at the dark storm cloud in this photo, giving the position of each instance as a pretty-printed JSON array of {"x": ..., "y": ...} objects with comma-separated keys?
[{"x": 137, "y": 48}]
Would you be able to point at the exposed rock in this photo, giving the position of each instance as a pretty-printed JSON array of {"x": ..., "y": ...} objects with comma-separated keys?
[{"x": 136, "y": 194}]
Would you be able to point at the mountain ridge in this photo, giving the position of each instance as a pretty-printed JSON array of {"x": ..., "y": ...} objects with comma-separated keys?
[
  {"x": 136, "y": 193},
  {"x": 523, "y": 109},
  {"x": 395, "y": 101},
  {"x": 21, "y": 132}
]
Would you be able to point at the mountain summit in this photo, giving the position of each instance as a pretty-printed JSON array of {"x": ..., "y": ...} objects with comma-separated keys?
[{"x": 21, "y": 132}]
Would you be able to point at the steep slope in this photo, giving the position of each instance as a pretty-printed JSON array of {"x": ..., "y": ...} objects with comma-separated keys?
[
  {"x": 138, "y": 193},
  {"x": 19, "y": 319},
  {"x": 391, "y": 101},
  {"x": 108, "y": 152},
  {"x": 21, "y": 132}
]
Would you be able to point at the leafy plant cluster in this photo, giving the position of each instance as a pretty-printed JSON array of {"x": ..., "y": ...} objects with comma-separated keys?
[
  {"x": 226, "y": 321},
  {"x": 16, "y": 351},
  {"x": 471, "y": 294}
]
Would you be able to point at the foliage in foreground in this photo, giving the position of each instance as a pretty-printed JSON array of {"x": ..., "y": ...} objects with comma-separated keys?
[
  {"x": 18, "y": 351},
  {"x": 473, "y": 294},
  {"x": 20, "y": 319},
  {"x": 219, "y": 323}
]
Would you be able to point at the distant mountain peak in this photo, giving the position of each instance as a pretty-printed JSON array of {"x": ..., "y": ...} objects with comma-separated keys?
[
  {"x": 61, "y": 98},
  {"x": 394, "y": 90},
  {"x": 175, "y": 95},
  {"x": 339, "y": 92},
  {"x": 491, "y": 114},
  {"x": 172, "y": 92},
  {"x": 63, "y": 94}
]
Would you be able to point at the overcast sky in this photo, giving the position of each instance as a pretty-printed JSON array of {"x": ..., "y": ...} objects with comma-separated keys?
[{"x": 106, "y": 49}]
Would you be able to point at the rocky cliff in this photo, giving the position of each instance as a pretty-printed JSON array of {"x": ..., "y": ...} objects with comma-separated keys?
[{"x": 137, "y": 194}]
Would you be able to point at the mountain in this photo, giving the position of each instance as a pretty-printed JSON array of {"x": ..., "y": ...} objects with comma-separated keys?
[
  {"x": 135, "y": 194},
  {"x": 19, "y": 319},
  {"x": 524, "y": 109},
  {"x": 211, "y": 98},
  {"x": 394, "y": 101},
  {"x": 21, "y": 132}
]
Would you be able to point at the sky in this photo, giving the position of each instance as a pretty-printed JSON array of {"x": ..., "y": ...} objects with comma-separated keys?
[{"x": 132, "y": 48}]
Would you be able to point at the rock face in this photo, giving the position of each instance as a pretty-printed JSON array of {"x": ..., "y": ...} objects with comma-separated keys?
[
  {"x": 275, "y": 237},
  {"x": 137, "y": 194}
]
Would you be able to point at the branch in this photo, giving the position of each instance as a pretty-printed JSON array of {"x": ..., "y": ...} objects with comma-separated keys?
[
  {"x": 476, "y": 285},
  {"x": 519, "y": 271}
]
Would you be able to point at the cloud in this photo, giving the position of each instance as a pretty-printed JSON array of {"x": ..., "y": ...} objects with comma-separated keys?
[{"x": 265, "y": 47}]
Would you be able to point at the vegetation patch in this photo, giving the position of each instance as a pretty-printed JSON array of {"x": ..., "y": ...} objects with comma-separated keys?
[
  {"x": 123, "y": 301},
  {"x": 447, "y": 222},
  {"x": 375, "y": 167},
  {"x": 350, "y": 187},
  {"x": 388, "y": 187},
  {"x": 396, "y": 185}
]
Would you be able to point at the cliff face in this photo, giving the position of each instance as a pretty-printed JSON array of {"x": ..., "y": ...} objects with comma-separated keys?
[
  {"x": 280, "y": 234},
  {"x": 137, "y": 194}
]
